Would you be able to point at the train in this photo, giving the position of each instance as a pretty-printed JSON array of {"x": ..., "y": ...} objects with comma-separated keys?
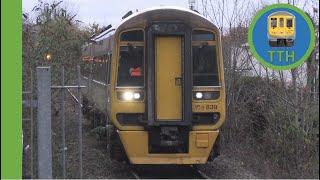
[
  {"x": 281, "y": 29},
  {"x": 157, "y": 82}
]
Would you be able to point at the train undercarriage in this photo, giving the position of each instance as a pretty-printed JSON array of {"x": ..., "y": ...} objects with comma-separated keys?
[{"x": 281, "y": 43}]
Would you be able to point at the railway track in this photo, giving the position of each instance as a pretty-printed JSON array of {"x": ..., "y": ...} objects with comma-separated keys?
[{"x": 167, "y": 172}]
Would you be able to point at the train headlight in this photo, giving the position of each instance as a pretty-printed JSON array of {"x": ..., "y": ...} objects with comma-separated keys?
[
  {"x": 206, "y": 95},
  {"x": 136, "y": 95},
  {"x": 128, "y": 96},
  {"x": 199, "y": 95}
]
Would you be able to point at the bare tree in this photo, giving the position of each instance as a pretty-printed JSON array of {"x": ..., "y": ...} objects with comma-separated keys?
[{"x": 276, "y": 111}]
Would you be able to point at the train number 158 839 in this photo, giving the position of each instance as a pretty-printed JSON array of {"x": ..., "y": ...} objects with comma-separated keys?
[{"x": 206, "y": 107}]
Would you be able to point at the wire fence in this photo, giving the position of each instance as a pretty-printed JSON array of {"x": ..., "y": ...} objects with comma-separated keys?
[{"x": 39, "y": 145}]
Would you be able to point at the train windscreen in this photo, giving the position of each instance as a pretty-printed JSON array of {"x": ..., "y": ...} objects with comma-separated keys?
[
  {"x": 131, "y": 59},
  {"x": 201, "y": 35},
  {"x": 205, "y": 67},
  {"x": 273, "y": 22},
  {"x": 131, "y": 66},
  {"x": 204, "y": 57},
  {"x": 134, "y": 35},
  {"x": 289, "y": 23}
]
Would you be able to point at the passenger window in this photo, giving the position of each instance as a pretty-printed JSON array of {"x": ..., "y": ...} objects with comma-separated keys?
[
  {"x": 281, "y": 22},
  {"x": 289, "y": 23},
  {"x": 109, "y": 68},
  {"x": 94, "y": 70},
  {"x": 135, "y": 35},
  {"x": 131, "y": 66},
  {"x": 274, "y": 22},
  {"x": 201, "y": 35},
  {"x": 105, "y": 69}
]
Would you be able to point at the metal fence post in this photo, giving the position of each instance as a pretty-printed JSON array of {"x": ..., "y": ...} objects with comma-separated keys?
[
  {"x": 31, "y": 124},
  {"x": 44, "y": 123},
  {"x": 63, "y": 124},
  {"x": 90, "y": 78},
  {"x": 80, "y": 119}
]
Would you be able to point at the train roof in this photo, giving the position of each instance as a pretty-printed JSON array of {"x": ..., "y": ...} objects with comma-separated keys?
[
  {"x": 104, "y": 36},
  {"x": 148, "y": 10},
  {"x": 281, "y": 13},
  {"x": 143, "y": 17},
  {"x": 161, "y": 8},
  {"x": 166, "y": 12}
]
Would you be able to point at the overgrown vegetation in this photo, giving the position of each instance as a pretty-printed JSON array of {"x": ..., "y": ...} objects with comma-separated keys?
[
  {"x": 263, "y": 124},
  {"x": 52, "y": 36},
  {"x": 272, "y": 116}
]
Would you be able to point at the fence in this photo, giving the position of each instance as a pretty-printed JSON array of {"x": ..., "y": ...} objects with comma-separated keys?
[
  {"x": 31, "y": 104},
  {"x": 42, "y": 105}
]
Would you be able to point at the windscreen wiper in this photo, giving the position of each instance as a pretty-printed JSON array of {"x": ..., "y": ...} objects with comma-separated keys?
[{"x": 203, "y": 44}]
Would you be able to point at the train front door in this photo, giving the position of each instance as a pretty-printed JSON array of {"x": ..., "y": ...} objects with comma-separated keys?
[{"x": 168, "y": 85}]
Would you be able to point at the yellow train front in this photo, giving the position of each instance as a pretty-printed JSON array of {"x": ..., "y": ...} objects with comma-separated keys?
[
  {"x": 281, "y": 29},
  {"x": 167, "y": 92}
]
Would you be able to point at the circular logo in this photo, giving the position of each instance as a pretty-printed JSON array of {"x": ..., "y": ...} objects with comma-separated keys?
[{"x": 281, "y": 36}]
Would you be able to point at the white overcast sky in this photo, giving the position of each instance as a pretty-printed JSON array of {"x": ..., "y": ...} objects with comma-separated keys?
[{"x": 106, "y": 12}]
